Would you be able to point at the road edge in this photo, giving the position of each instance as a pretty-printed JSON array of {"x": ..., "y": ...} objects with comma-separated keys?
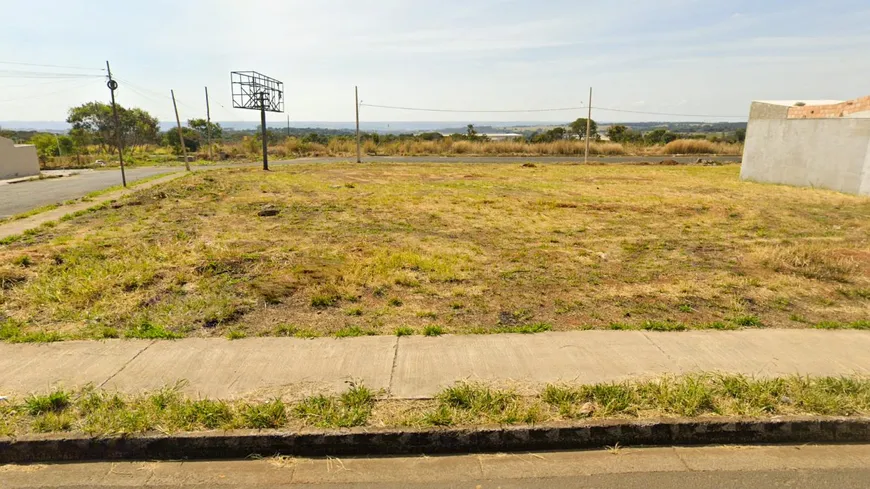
[
  {"x": 20, "y": 226},
  {"x": 358, "y": 441}
]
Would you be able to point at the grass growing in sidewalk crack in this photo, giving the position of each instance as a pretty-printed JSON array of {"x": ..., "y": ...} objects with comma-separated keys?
[
  {"x": 97, "y": 413},
  {"x": 351, "y": 408}
]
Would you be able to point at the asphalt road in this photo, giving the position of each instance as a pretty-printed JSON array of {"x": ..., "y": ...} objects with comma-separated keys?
[
  {"x": 795, "y": 467},
  {"x": 22, "y": 197}
]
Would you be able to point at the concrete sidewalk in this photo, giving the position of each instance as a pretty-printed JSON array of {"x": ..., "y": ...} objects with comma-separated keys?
[{"x": 417, "y": 367}]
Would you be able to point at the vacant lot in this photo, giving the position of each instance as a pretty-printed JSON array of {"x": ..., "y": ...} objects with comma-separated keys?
[{"x": 425, "y": 248}]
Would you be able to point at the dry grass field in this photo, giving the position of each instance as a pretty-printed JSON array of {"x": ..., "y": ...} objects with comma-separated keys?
[{"x": 347, "y": 250}]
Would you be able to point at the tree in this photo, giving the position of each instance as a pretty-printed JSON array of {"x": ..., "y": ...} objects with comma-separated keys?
[
  {"x": 616, "y": 133},
  {"x": 138, "y": 127},
  {"x": 50, "y": 145},
  {"x": 191, "y": 139},
  {"x": 578, "y": 127},
  {"x": 740, "y": 134},
  {"x": 555, "y": 134},
  {"x": 659, "y": 136},
  {"x": 430, "y": 136},
  {"x": 201, "y": 126},
  {"x": 470, "y": 132},
  {"x": 94, "y": 123}
]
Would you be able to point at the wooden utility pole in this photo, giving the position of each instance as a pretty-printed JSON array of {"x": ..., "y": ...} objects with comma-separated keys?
[
  {"x": 180, "y": 133},
  {"x": 265, "y": 133},
  {"x": 588, "y": 126},
  {"x": 356, "y": 98},
  {"x": 208, "y": 123},
  {"x": 112, "y": 86},
  {"x": 288, "y": 125}
]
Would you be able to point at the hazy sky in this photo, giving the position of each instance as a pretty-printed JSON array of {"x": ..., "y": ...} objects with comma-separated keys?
[{"x": 677, "y": 56}]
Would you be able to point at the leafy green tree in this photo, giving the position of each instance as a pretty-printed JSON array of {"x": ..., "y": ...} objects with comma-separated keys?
[
  {"x": 555, "y": 134},
  {"x": 430, "y": 136},
  {"x": 470, "y": 132},
  {"x": 93, "y": 123},
  {"x": 657, "y": 136},
  {"x": 50, "y": 145},
  {"x": 191, "y": 139},
  {"x": 578, "y": 127},
  {"x": 201, "y": 126},
  {"x": 616, "y": 133}
]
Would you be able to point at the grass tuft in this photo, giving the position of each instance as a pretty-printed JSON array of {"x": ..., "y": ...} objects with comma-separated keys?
[
  {"x": 353, "y": 332},
  {"x": 54, "y": 402},
  {"x": 432, "y": 330},
  {"x": 146, "y": 330},
  {"x": 350, "y": 409},
  {"x": 404, "y": 331}
]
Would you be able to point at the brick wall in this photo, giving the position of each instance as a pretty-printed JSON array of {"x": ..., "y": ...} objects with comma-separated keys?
[{"x": 830, "y": 111}]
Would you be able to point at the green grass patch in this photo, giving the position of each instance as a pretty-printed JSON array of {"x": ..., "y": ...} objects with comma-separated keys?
[
  {"x": 747, "y": 321},
  {"x": 100, "y": 413},
  {"x": 353, "y": 332},
  {"x": 433, "y": 330},
  {"x": 862, "y": 325},
  {"x": 236, "y": 334},
  {"x": 146, "y": 330},
  {"x": 404, "y": 331},
  {"x": 350, "y": 409}
]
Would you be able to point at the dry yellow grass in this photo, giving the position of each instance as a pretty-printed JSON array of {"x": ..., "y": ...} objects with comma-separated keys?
[
  {"x": 700, "y": 146},
  {"x": 467, "y": 248},
  {"x": 447, "y": 146}
]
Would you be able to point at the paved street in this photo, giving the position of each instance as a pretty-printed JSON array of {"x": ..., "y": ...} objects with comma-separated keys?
[
  {"x": 796, "y": 467},
  {"x": 417, "y": 366},
  {"x": 22, "y": 197}
]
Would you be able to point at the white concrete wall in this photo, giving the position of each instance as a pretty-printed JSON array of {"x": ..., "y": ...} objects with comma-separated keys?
[
  {"x": 17, "y": 160},
  {"x": 826, "y": 153}
]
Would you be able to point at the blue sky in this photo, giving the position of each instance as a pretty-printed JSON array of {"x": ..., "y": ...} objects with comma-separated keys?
[{"x": 676, "y": 56}]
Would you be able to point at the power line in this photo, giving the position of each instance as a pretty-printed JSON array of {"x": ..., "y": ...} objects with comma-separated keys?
[
  {"x": 667, "y": 113},
  {"x": 50, "y": 66},
  {"x": 140, "y": 89},
  {"x": 43, "y": 74},
  {"x": 559, "y": 109},
  {"x": 41, "y": 95},
  {"x": 39, "y": 84},
  {"x": 471, "y": 111}
]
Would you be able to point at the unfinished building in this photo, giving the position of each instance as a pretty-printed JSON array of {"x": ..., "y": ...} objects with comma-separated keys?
[{"x": 821, "y": 143}]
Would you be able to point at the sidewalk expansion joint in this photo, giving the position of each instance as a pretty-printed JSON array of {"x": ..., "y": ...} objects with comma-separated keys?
[
  {"x": 659, "y": 348},
  {"x": 393, "y": 368},
  {"x": 128, "y": 362}
]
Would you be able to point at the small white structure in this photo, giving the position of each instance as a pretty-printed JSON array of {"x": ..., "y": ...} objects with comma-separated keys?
[
  {"x": 503, "y": 136},
  {"x": 809, "y": 144},
  {"x": 17, "y": 160}
]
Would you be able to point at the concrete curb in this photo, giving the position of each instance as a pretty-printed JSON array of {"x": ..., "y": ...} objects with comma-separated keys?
[{"x": 240, "y": 444}]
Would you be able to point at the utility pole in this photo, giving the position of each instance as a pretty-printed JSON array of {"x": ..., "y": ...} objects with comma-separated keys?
[
  {"x": 113, "y": 85},
  {"x": 180, "y": 133},
  {"x": 588, "y": 126},
  {"x": 356, "y": 98},
  {"x": 288, "y": 125},
  {"x": 263, "y": 123},
  {"x": 208, "y": 123}
]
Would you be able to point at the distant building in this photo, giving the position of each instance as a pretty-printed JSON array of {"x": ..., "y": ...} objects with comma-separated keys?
[
  {"x": 505, "y": 136},
  {"x": 17, "y": 160},
  {"x": 821, "y": 143}
]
